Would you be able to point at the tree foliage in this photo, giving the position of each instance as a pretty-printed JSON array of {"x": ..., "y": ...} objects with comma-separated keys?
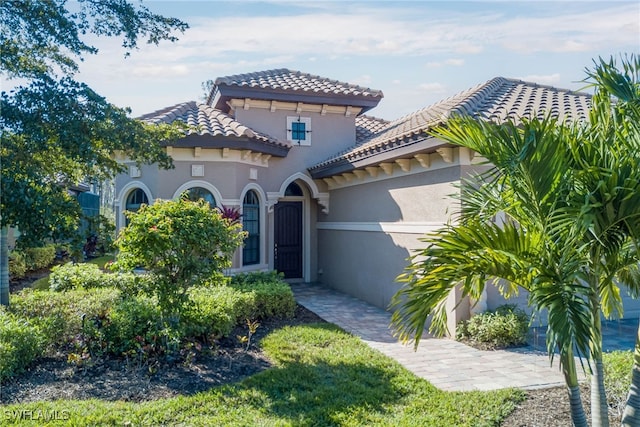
[
  {"x": 56, "y": 131},
  {"x": 180, "y": 244}
]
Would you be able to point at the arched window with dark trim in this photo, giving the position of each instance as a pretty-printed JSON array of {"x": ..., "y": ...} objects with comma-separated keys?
[
  {"x": 197, "y": 193},
  {"x": 135, "y": 199},
  {"x": 251, "y": 224}
]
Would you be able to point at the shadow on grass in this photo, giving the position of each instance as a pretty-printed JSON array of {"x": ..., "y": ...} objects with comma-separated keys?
[{"x": 327, "y": 380}]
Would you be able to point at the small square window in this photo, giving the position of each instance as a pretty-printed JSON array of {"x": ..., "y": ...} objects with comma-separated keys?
[{"x": 299, "y": 130}]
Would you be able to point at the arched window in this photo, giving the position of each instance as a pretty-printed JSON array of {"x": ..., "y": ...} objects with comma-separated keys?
[
  {"x": 136, "y": 198},
  {"x": 293, "y": 189},
  {"x": 251, "y": 224},
  {"x": 197, "y": 193}
]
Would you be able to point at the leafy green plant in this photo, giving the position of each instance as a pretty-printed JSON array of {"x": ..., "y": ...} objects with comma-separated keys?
[
  {"x": 270, "y": 295},
  {"x": 61, "y": 316},
  {"x": 74, "y": 276},
  {"x": 17, "y": 265},
  {"x": 507, "y": 326},
  {"x": 41, "y": 257},
  {"x": 20, "y": 344},
  {"x": 180, "y": 244},
  {"x": 617, "y": 378}
]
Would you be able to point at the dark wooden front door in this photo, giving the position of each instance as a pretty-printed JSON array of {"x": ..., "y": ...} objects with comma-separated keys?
[{"x": 287, "y": 251}]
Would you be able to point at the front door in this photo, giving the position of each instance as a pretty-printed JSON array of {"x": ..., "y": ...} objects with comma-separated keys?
[{"x": 287, "y": 250}]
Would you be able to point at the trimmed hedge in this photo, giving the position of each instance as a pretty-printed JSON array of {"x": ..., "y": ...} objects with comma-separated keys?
[
  {"x": 20, "y": 262},
  {"x": 87, "y": 275},
  {"x": 61, "y": 315},
  {"x": 93, "y": 321},
  {"x": 38, "y": 258},
  {"x": 20, "y": 344},
  {"x": 17, "y": 265},
  {"x": 270, "y": 295}
]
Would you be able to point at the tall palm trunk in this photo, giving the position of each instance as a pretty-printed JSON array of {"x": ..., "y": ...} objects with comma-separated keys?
[
  {"x": 4, "y": 266},
  {"x": 599, "y": 407},
  {"x": 568, "y": 363},
  {"x": 631, "y": 415}
]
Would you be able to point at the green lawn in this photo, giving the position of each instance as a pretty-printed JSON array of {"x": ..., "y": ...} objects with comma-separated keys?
[{"x": 322, "y": 377}]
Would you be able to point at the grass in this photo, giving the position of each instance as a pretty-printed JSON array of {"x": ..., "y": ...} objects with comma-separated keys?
[
  {"x": 322, "y": 376},
  {"x": 101, "y": 261}
]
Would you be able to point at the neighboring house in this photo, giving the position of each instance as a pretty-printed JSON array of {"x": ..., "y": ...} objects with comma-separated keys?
[{"x": 328, "y": 194}]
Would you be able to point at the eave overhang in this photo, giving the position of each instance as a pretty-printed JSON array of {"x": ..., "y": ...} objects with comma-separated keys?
[
  {"x": 407, "y": 149},
  {"x": 235, "y": 143}
]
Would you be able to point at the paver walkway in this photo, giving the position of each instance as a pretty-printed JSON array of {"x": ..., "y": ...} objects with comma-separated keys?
[{"x": 445, "y": 363}]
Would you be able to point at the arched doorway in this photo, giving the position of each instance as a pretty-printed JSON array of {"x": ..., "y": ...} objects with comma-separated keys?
[{"x": 288, "y": 233}]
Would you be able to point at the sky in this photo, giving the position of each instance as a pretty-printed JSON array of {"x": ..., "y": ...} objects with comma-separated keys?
[{"x": 416, "y": 52}]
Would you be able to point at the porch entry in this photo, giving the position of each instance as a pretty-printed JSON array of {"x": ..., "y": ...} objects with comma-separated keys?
[{"x": 287, "y": 245}]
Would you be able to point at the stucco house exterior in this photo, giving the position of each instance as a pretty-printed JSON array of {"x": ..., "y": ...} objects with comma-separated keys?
[{"x": 328, "y": 193}]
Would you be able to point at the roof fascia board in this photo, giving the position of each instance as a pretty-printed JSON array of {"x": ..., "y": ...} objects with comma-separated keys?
[
  {"x": 422, "y": 145},
  {"x": 207, "y": 141},
  {"x": 226, "y": 92}
]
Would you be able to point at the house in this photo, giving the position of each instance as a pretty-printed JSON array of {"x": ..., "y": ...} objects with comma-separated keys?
[{"x": 328, "y": 193}]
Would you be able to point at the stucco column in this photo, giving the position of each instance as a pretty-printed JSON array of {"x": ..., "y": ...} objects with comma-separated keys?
[{"x": 457, "y": 310}]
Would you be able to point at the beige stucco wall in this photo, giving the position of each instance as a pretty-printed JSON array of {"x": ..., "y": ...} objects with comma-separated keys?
[{"x": 372, "y": 228}]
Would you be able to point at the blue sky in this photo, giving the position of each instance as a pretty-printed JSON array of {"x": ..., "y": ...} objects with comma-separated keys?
[{"x": 416, "y": 52}]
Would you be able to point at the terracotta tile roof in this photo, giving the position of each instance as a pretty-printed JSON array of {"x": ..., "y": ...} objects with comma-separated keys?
[
  {"x": 296, "y": 81},
  {"x": 498, "y": 99},
  {"x": 367, "y": 127},
  {"x": 206, "y": 120}
]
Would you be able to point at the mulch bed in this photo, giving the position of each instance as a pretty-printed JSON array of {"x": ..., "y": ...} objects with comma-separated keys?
[{"x": 227, "y": 362}]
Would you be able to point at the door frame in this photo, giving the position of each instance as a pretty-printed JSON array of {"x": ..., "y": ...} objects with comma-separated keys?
[
  {"x": 306, "y": 234},
  {"x": 300, "y": 207}
]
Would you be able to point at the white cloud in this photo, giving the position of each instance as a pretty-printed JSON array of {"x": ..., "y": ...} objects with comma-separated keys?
[
  {"x": 456, "y": 62},
  {"x": 548, "y": 79},
  {"x": 369, "y": 31},
  {"x": 164, "y": 71},
  {"x": 433, "y": 87},
  {"x": 363, "y": 80}
]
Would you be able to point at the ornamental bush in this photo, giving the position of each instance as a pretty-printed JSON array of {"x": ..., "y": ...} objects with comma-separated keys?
[
  {"x": 270, "y": 295},
  {"x": 42, "y": 257},
  {"x": 17, "y": 265},
  {"x": 180, "y": 244},
  {"x": 507, "y": 326},
  {"x": 74, "y": 276},
  {"x": 20, "y": 344}
]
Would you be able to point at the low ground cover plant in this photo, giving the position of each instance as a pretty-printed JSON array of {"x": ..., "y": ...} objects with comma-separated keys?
[{"x": 507, "y": 326}]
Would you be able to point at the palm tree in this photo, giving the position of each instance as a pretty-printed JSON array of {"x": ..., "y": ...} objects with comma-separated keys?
[
  {"x": 572, "y": 195},
  {"x": 528, "y": 180}
]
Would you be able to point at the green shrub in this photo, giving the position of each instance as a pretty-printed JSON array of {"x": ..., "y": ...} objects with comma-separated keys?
[
  {"x": 180, "y": 244},
  {"x": 75, "y": 276},
  {"x": 60, "y": 315},
  {"x": 214, "y": 311},
  {"x": 617, "y": 378},
  {"x": 17, "y": 265},
  {"x": 38, "y": 258},
  {"x": 20, "y": 344},
  {"x": 505, "y": 327},
  {"x": 271, "y": 296},
  {"x": 134, "y": 324}
]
